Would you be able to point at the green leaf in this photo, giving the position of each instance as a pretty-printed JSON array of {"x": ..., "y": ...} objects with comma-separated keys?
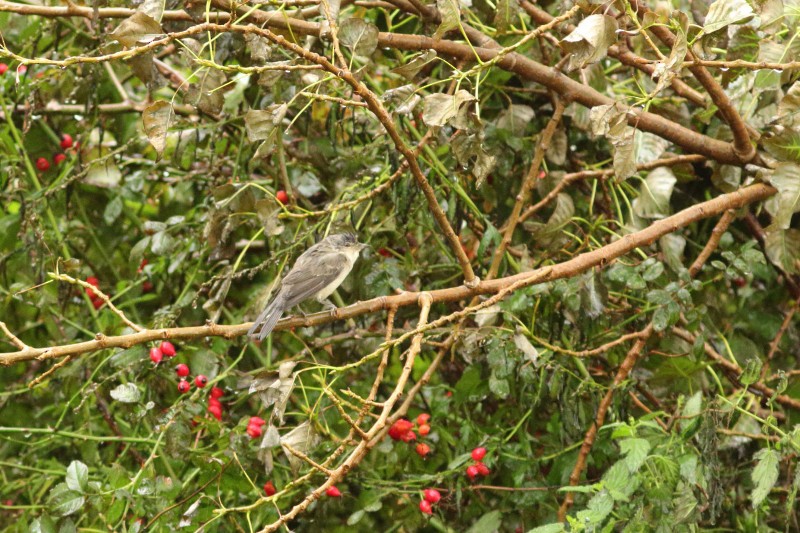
[
  {"x": 635, "y": 451},
  {"x": 549, "y": 528},
  {"x": 126, "y": 393},
  {"x": 43, "y": 524},
  {"x": 77, "y": 476},
  {"x": 63, "y": 501},
  {"x": 765, "y": 474},
  {"x": 488, "y": 523}
]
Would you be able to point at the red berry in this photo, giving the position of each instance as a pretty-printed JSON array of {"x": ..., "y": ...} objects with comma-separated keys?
[
  {"x": 400, "y": 428},
  {"x": 201, "y": 381},
  {"x": 183, "y": 386},
  {"x": 3, "y": 68},
  {"x": 740, "y": 282},
  {"x": 66, "y": 141},
  {"x": 256, "y": 421},
  {"x": 432, "y": 495},
  {"x": 424, "y": 429},
  {"x": 216, "y": 411},
  {"x": 98, "y": 303},
  {"x": 425, "y": 507},
  {"x": 155, "y": 355},
  {"x": 478, "y": 454},
  {"x": 91, "y": 280},
  {"x": 423, "y": 449},
  {"x": 282, "y": 197},
  {"x": 542, "y": 174},
  {"x": 384, "y": 252},
  {"x": 423, "y": 419},
  {"x": 269, "y": 489},
  {"x": 333, "y": 492},
  {"x": 483, "y": 469},
  {"x": 42, "y": 164},
  {"x": 214, "y": 401},
  {"x": 147, "y": 286},
  {"x": 254, "y": 431},
  {"x": 472, "y": 472},
  {"x": 141, "y": 266},
  {"x": 408, "y": 436},
  {"x": 22, "y": 69},
  {"x": 217, "y": 393},
  {"x": 59, "y": 158},
  {"x": 182, "y": 370},
  {"x": 167, "y": 348}
]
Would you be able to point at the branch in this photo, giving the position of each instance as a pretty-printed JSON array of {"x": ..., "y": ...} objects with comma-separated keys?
[
  {"x": 527, "y": 185},
  {"x": 360, "y": 451},
  {"x": 581, "y": 263},
  {"x": 741, "y": 138},
  {"x": 626, "y": 367}
]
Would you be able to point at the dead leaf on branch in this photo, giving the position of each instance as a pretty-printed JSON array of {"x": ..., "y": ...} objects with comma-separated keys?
[
  {"x": 589, "y": 42},
  {"x": 136, "y": 28},
  {"x": 206, "y": 93},
  {"x": 451, "y": 17},
  {"x": 360, "y": 36},
  {"x": 417, "y": 63},
  {"x": 157, "y": 118},
  {"x": 439, "y": 108},
  {"x": 273, "y": 388},
  {"x": 304, "y": 439}
]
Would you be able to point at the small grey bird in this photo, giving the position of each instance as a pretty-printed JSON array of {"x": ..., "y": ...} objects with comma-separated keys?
[{"x": 315, "y": 274}]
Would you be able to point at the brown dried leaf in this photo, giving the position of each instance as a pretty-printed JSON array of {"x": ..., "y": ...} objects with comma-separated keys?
[
  {"x": 134, "y": 28},
  {"x": 589, "y": 42},
  {"x": 157, "y": 118}
]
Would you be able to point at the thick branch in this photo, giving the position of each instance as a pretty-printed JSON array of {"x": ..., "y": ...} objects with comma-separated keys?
[
  {"x": 581, "y": 263},
  {"x": 741, "y": 138}
]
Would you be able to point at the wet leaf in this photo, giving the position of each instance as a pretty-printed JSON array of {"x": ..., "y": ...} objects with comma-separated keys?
[
  {"x": 439, "y": 108},
  {"x": 723, "y": 13},
  {"x": 505, "y": 14},
  {"x": 303, "y": 438},
  {"x": 262, "y": 125},
  {"x": 786, "y": 178},
  {"x": 783, "y": 248},
  {"x": 451, "y": 17},
  {"x": 126, "y": 393},
  {"x": 655, "y": 193},
  {"x": 515, "y": 119},
  {"x": 205, "y": 93},
  {"x": 360, "y": 36},
  {"x": 77, "y": 476},
  {"x": 589, "y": 41},
  {"x": 417, "y": 63}
]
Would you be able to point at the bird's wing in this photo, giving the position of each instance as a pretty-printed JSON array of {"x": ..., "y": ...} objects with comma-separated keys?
[{"x": 317, "y": 272}]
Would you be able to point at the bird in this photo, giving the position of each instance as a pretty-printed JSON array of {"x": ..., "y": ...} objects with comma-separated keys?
[{"x": 316, "y": 274}]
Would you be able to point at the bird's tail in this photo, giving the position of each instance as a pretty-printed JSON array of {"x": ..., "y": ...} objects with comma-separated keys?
[{"x": 267, "y": 319}]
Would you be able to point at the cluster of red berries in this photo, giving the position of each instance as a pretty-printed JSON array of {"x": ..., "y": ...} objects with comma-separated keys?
[
  {"x": 214, "y": 403},
  {"x": 97, "y": 302},
  {"x": 430, "y": 497},
  {"x": 22, "y": 69},
  {"x": 66, "y": 143},
  {"x": 403, "y": 429},
  {"x": 254, "y": 426},
  {"x": 478, "y": 468},
  {"x": 157, "y": 353}
]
